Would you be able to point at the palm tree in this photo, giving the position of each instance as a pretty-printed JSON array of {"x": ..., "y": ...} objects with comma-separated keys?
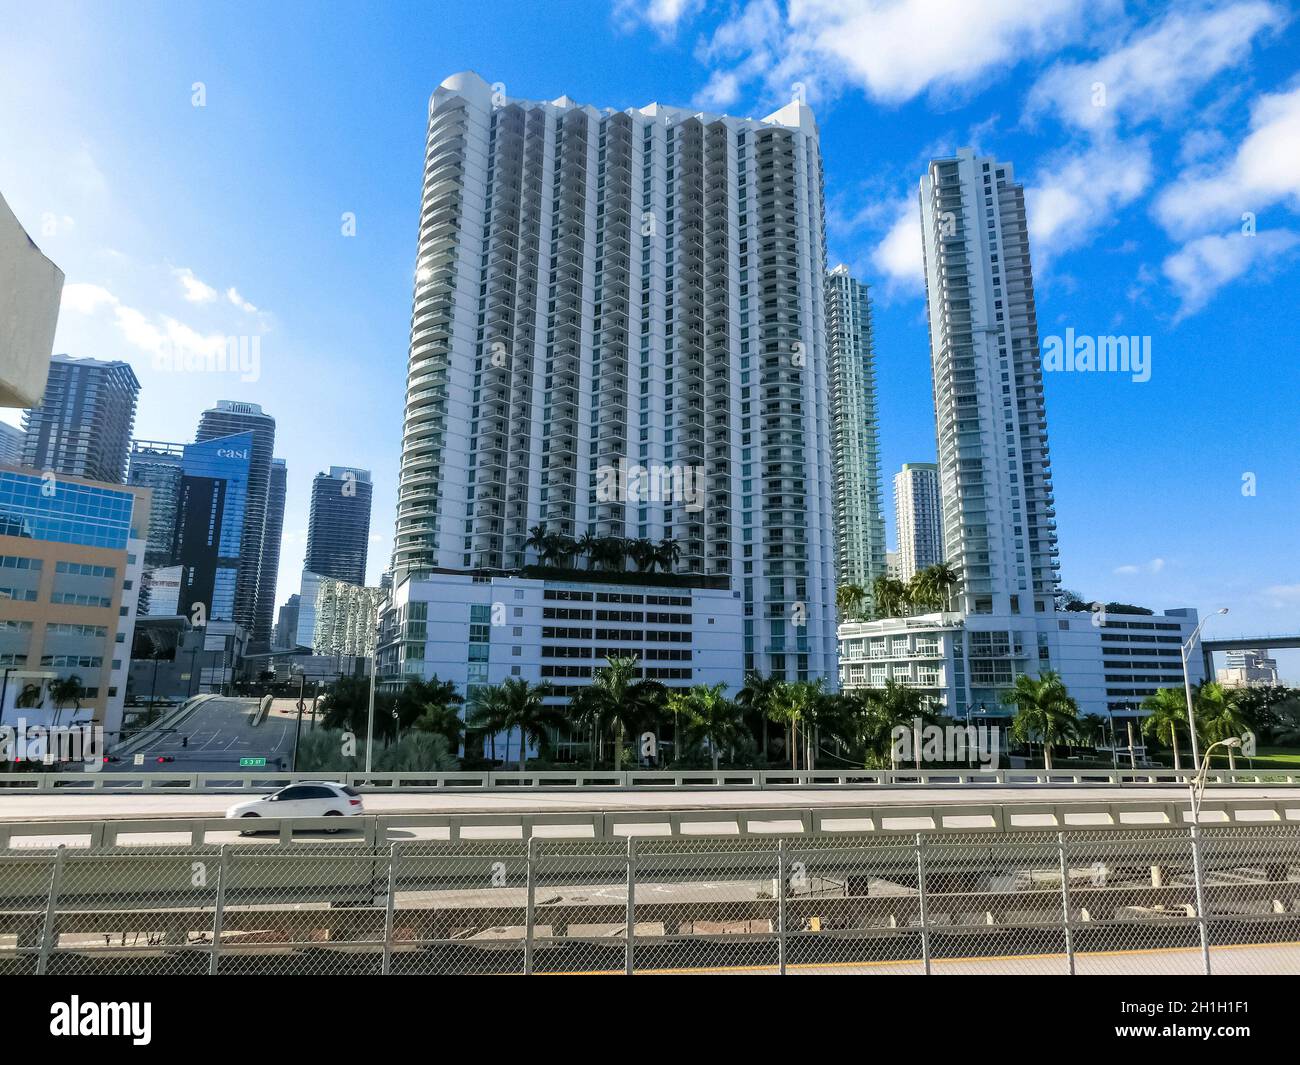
[
  {"x": 889, "y": 596},
  {"x": 537, "y": 540},
  {"x": 1044, "y": 708},
  {"x": 1219, "y": 716},
  {"x": 616, "y": 698},
  {"x": 849, "y": 598},
  {"x": 608, "y": 553},
  {"x": 1092, "y": 727},
  {"x": 1167, "y": 708},
  {"x": 31, "y": 696},
  {"x": 920, "y": 591},
  {"x": 66, "y": 690},
  {"x": 642, "y": 552},
  {"x": 516, "y": 704},
  {"x": 433, "y": 699},
  {"x": 755, "y": 698},
  {"x": 669, "y": 553},
  {"x": 868, "y": 719},
  {"x": 708, "y": 715},
  {"x": 586, "y": 545},
  {"x": 794, "y": 703},
  {"x": 943, "y": 580}
]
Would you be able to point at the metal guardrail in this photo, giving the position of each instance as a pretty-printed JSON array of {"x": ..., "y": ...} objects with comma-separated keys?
[
  {"x": 891, "y": 819},
  {"x": 1151, "y": 901},
  {"x": 164, "y": 780}
]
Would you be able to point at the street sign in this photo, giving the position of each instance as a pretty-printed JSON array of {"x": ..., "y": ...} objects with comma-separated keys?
[{"x": 252, "y": 762}]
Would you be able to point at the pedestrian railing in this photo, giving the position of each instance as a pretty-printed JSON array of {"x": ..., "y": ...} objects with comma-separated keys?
[{"x": 168, "y": 780}]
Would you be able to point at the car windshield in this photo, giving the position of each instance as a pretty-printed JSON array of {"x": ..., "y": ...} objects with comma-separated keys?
[{"x": 350, "y": 791}]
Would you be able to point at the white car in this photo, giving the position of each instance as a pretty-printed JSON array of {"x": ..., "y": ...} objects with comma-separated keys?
[{"x": 310, "y": 798}]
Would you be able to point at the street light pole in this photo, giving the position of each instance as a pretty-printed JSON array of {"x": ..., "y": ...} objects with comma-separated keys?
[
  {"x": 1187, "y": 682},
  {"x": 1196, "y": 786},
  {"x": 297, "y": 732}
]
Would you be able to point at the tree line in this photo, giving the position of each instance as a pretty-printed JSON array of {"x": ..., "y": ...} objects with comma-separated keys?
[{"x": 768, "y": 721}]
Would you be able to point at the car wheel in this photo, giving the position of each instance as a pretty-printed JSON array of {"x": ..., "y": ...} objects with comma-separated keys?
[
  {"x": 332, "y": 813},
  {"x": 244, "y": 817}
]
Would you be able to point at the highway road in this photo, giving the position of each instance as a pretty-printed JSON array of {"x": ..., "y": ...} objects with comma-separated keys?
[
  {"x": 213, "y": 737},
  {"x": 124, "y": 804}
]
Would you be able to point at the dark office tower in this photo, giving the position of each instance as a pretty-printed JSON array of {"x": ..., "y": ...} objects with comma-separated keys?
[
  {"x": 228, "y": 418},
  {"x": 270, "y": 566},
  {"x": 83, "y": 425},
  {"x": 159, "y": 467},
  {"x": 338, "y": 528},
  {"x": 211, "y": 524},
  {"x": 286, "y": 629}
]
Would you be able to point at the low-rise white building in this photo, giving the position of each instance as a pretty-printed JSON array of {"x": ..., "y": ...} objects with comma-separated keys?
[
  {"x": 1110, "y": 662},
  {"x": 479, "y": 631}
]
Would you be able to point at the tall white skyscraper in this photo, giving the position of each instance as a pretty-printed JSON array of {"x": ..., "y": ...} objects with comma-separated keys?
[
  {"x": 855, "y": 431},
  {"x": 918, "y": 516},
  {"x": 995, "y": 478},
  {"x": 618, "y": 331}
]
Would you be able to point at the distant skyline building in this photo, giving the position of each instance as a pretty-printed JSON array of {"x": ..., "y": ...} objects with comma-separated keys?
[
  {"x": 12, "y": 440},
  {"x": 607, "y": 302},
  {"x": 229, "y": 418},
  {"x": 82, "y": 426},
  {"x": 269, "y": 567},
  {"x": 286, "y": 626},
  {"x": 1253, "y": 668},
  {"x": 918, "y": 517},
  {"x": 159, "y": 466},
  {"x": 346, "y": 616},
  {"x": 855, "y": 432},
  {"x": 338, "y": 524},
  {"x": 211, "y": 525},
  {"x": 995, "y": 478}
]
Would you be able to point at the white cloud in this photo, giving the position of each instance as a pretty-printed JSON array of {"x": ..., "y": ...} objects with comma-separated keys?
[
  {"x": 83, "y": 298},
  {"x": 1283, "y": 594},
  {"x": 196, "y": 291},
  {"x": 1158, "y": 70},
  {"x": 154, "y": 336},
  {"x": 898, "y": 255},
  {"x": 233, "y": 295},
  {"x": 1154, "y": 566},
  {"x": 663, "y": 16},
  {"x": 1203, "y": 266},
  {"x": 1080, "y": 190},
  {"x": 894, "y": 49},
  {"x": 1264, "y": 171}
]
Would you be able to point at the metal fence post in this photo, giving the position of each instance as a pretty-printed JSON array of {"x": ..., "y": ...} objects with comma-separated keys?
[
  {"x": 1065, "y": 902},
  {"x": 629, "y": 962},
  {"x": 47, "y": 927},
  {"x": 1201, "y": 917},
  {"x": 390, "y": 904},
  {"x": 218, "y": 909},
  {"x": 530, "y": 912},
  {"x": 920, "y": 888},
  {"x": 780, "y": 905}
]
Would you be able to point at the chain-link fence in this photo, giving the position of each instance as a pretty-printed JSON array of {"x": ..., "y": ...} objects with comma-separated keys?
[{"x": 1159, "y": 901}]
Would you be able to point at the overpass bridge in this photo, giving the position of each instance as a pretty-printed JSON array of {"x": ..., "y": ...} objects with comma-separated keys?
[{"x": 1244, "y": 643}]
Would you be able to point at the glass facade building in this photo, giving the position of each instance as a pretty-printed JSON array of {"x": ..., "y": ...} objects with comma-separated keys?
[
  {"x": 36, "y": 507},
  {"x": 83, "y": 424},
  {"x": 210, "y": 524}
]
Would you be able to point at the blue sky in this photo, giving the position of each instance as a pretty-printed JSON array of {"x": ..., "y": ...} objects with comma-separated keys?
[{"x": 1144, "y": 133}]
